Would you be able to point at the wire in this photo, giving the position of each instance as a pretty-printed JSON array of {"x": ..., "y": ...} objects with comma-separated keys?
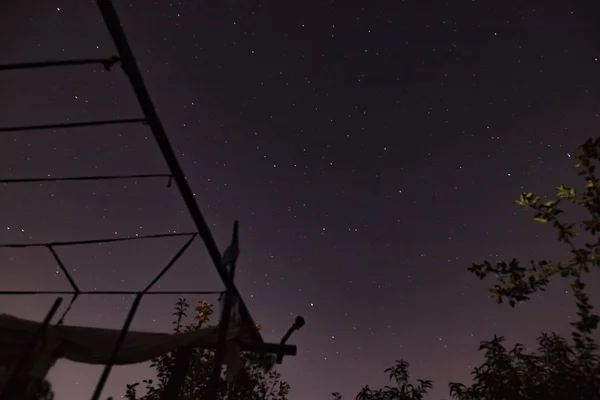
[
  {"x": 104, "y": 292},
  {"x": 97, "y": 241},
  {"x": 107, "y": 63},
  {"x": 72, "y": 125},
  {"x": 86, "y": 178}
]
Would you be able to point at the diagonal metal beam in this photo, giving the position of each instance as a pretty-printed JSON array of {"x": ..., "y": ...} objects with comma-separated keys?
[
  {"x": 117, "y": 347},
  {"x": 130, "y": 67}
]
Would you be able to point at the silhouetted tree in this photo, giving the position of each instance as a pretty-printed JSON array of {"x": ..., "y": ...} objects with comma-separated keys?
[
  {"x": 558, "y": 369},
  {"x": 252, "y": 383},
  {"x": 400, "y": 389}
]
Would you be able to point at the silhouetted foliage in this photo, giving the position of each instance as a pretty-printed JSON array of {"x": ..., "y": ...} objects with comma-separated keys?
[
  {"x": 558, "y": 369},
  {"x": 400, "y": 389},
  {"x": 27, "y": 390},
  {"x": 252, "y": 383},
  {"x": 45, "y": 391}
]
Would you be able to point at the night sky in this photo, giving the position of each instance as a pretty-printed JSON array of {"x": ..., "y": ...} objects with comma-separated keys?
[{"x": 370, "y": 153}]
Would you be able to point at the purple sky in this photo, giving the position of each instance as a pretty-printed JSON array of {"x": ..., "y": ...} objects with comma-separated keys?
[{"x": 371, "y": 154}]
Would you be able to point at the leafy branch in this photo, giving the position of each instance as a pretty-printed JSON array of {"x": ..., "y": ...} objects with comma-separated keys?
[{"x": 516, "y": 283}]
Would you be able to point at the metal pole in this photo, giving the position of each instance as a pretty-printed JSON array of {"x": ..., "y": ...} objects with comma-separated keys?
[
  {"x": 130, "y": 66},
  {"x": 118, "y": 344},
  {"x": 183, "y": 357},
  {"x": 212, "y": 390},
  {"x": 230, "y": 257}
]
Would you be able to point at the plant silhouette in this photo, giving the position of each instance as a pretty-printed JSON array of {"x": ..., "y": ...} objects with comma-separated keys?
[
  {"x": 558, "y": 369},
  {"x": 252, "y": 383}
]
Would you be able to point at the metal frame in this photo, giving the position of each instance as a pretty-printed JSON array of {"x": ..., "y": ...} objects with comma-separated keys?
[{"x": 225, "y": 268}]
